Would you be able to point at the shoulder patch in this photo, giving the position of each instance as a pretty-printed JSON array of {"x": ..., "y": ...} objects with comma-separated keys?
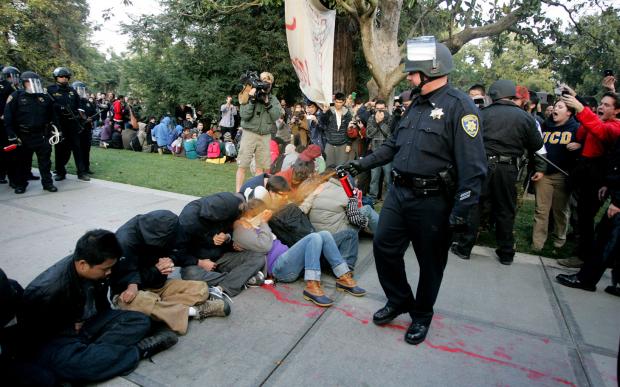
[{"x": 470, "y": 125}]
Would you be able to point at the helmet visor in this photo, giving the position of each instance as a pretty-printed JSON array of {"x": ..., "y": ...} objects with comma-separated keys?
[
  {"x": 12, "y": 78},
  {"x": 81, "y": 92},
  {"x": 421, "y": 49},
  {"x": 33, "y": 86}
]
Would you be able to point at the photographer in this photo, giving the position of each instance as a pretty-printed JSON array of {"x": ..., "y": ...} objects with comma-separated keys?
[
  {"x": 299, "y": 127},
  {"x": 379, "y": 129},
  {"x": 258, "y": 117}
]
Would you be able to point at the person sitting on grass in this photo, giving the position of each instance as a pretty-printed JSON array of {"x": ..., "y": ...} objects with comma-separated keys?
[
  {"x": 285, "y": 264},
  {"x": 203, "y": 141},
  {"x": 67, "y": 323},
  {"x": 140, "y": 279}
]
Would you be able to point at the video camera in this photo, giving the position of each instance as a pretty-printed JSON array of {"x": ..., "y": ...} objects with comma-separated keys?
[{"x": 262, "y": 88}]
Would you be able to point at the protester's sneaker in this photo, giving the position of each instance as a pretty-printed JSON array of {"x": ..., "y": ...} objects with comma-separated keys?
[
  {"x": 161, "y": 340},
  {"x": 346, "y": 283},
  {"x": 572, "y": 262},
  {"x": 216, "y": 293},
  {"x": 213, "y": 308},
  {"x": 256, "y": 280}
]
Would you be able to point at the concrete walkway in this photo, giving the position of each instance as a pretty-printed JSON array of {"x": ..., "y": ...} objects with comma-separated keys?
[{"x": 494, "y": 325}]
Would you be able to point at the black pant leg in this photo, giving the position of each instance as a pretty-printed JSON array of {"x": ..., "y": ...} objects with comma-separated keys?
[
  {"x": 76, "y": 149},
  {"x": 391, "y": 240},
  {"x": 22, "y": 159},
  {"x": 504, "y": 192},
  {"x": 606, "y": 250},
  {"x": 587, "y": 207},
  {"x": 44, "y": 160},
  {"x": 62, "y": 154}
]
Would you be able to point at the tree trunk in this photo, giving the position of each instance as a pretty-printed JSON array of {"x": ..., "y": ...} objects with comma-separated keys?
[{"x": 344, "y": 71}]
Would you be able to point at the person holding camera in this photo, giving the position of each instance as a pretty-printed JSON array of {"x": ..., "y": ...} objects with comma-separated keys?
[
  {"x": 378, "y": 130},
  {"x": 258, "y": 118},
  {"x": 299, "y": 127}
]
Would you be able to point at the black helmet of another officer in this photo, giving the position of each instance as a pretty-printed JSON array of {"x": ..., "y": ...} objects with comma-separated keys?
[
  {"x": 31, "y": 82},
  {"x": 502, "y": 88},
  {"x": 11, "y": 74},
  {"x": 80, "y": 87},
  {"x": 62, "y": 72}
]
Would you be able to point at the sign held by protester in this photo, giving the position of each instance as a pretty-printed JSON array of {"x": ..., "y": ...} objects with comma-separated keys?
[{"x": 310, "y": 35}]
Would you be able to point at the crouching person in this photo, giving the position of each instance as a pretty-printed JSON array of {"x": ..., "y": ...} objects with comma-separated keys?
[
  {"x": 285, "y": 264},
  {"x": 67, "y": 322},
  {"x": 140, "y": 278}
]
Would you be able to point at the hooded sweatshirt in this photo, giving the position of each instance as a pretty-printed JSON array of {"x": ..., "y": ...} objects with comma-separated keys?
[
  {"x": 162, "y": 132},
  {"x": 200, "y": 221},
  {"x": 555, "y": 138},
  {"x": 144, "y": 239}
]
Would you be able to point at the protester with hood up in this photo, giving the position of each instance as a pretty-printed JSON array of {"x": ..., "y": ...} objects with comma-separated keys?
[
  {"x": 140, "y": 278},
  {"x": 552, "y": 190},
  {"x": 162, "y": 132},
  {"x": 205, "y": 245}
]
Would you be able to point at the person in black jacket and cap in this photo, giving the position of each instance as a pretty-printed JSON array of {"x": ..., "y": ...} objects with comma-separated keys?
[
  {"x": 68, "y": 326},
  {"x": 140, "y": 278},
  {"x": 205, "y": 245}
]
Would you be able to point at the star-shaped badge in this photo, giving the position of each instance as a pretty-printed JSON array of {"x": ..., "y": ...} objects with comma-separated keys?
[{"x": 437, "y": 113}]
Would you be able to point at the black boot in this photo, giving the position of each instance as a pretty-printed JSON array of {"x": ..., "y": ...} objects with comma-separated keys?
[{"x": 162, "y": 339}]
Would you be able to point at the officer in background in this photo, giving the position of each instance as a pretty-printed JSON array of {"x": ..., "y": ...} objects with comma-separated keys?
[
  {"x": 66, "y": 106},
  {"x": 438, "y": 163},
  {"x": 8, "y": 84},
  {"x": 508, "y": 131},
  {"x": 27, "y": 115},
  {"x": 88, "y": 112}
]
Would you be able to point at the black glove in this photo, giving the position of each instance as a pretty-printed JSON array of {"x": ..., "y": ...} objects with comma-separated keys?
[
  {"x": 458, "y": 224},
  {"x": 354, "y": 167}
]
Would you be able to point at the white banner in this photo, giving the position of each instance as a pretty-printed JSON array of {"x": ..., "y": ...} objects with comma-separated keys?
[{"x": 310, "y": 35}]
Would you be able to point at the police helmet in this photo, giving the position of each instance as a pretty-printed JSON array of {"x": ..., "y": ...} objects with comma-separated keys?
[
  {"x": 502, "y": 88},
  {"x": 12, "y": 72},
  {"x": 80, "y": 87},
  {"x": 431, "y": 58},
  {"x": 62, "y": 72},
  {"x": 34, "y": 85}
]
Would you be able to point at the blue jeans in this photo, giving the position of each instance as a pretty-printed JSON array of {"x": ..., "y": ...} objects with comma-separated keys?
[
  {"x": 375, "y": 177},
  {"x": 348, "y": 245},
  {"x": 306, "y": 255},
  {"x": 373, "y": 217}
]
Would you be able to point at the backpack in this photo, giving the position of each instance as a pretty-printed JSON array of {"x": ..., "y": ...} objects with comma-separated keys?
[
  {"x": 230, "y": 149},
  {"x": 213, "y": 150},
  {"x": 290, "y": 224}
]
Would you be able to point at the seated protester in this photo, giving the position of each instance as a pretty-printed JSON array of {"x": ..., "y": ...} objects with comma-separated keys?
[
  {"x": 106, "y": 133},
  {"x": 252, "y": 232},
  {"x": 162, "y": 133},
  {"x": 303, "y": 168},
  {"x": 189, "y": 147},
  {"x": 139, "y": 280},
  {"x": 203, "y": 141},
  {"x": 290, "y": 157},
  {"x": 230, "y": 148},
  {"x": 116, "y": 140},
  {"x": 255, "y": 181},
  {"x": 127, "y": 135},
  {"x": 552, "y": 188},
  {"x": 144, "y": 137},
  {"x": 206, "y": 249},
  {"x": 82, "y": 340},
  {"x": 14, "y": 371}
]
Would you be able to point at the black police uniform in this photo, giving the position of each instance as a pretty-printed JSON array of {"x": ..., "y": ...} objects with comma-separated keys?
[
  {"x": 440, "y": 131},
  {"x": 66, "y": 105},
  {"x": 6, "y": 89},
  {"x": 27, "y": 116},
  {"x": 90, "y": 111},
  {"x": 508, "y": 131}
]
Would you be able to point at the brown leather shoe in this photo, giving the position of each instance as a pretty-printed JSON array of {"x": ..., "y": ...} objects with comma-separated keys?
[
  {"x": 346, "y": 283},
  {"x": 313, "y": 292}
]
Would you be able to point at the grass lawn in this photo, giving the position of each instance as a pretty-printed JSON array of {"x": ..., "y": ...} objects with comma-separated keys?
[{"x": 195, "y": 177}]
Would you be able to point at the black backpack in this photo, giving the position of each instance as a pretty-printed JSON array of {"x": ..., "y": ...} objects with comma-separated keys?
[{"x": 290, "y": 225}]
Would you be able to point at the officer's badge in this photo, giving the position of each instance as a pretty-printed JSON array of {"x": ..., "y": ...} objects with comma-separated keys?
[
  {"x": 470, "y": 125},
  {"x": 41, "y": 99},
  {"x": 437, "y": 113}
]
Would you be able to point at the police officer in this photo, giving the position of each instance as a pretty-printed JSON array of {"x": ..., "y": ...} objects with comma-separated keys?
[
  {"x": 8, "y": 84},
  {"x": 508, "y": 130},
  {"x": 438, "y": 166},
  {"x": 27, "y": 115},
  {"x": 88, "y": 112},
  {"x": 66, "y": 106}
]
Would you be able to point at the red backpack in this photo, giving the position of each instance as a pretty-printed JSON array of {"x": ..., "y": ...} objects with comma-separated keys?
[{"x": 213, "y": 150}]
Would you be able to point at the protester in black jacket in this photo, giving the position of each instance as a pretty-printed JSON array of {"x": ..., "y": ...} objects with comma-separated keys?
[
  {"x": 67, "y": 322},
  {"x": 205, "y": 244}
]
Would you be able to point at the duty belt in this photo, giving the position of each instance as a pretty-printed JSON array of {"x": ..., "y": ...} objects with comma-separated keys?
[
  {"x": 421, "y": 186},
  {"x": 503, "y": 160}
]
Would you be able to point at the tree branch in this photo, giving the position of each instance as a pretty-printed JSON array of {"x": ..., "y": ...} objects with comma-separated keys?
[
  {"x": 348, "y": 7},
  {"x": 458, "y": 40},
  {"x": 418, "y": 23}
]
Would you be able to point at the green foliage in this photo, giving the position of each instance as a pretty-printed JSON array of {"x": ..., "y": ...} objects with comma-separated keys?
[
  {"x": 478, "y": 64},
  {"x": 192, "y": 55},
  {"x": 582, "y": 54}
]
